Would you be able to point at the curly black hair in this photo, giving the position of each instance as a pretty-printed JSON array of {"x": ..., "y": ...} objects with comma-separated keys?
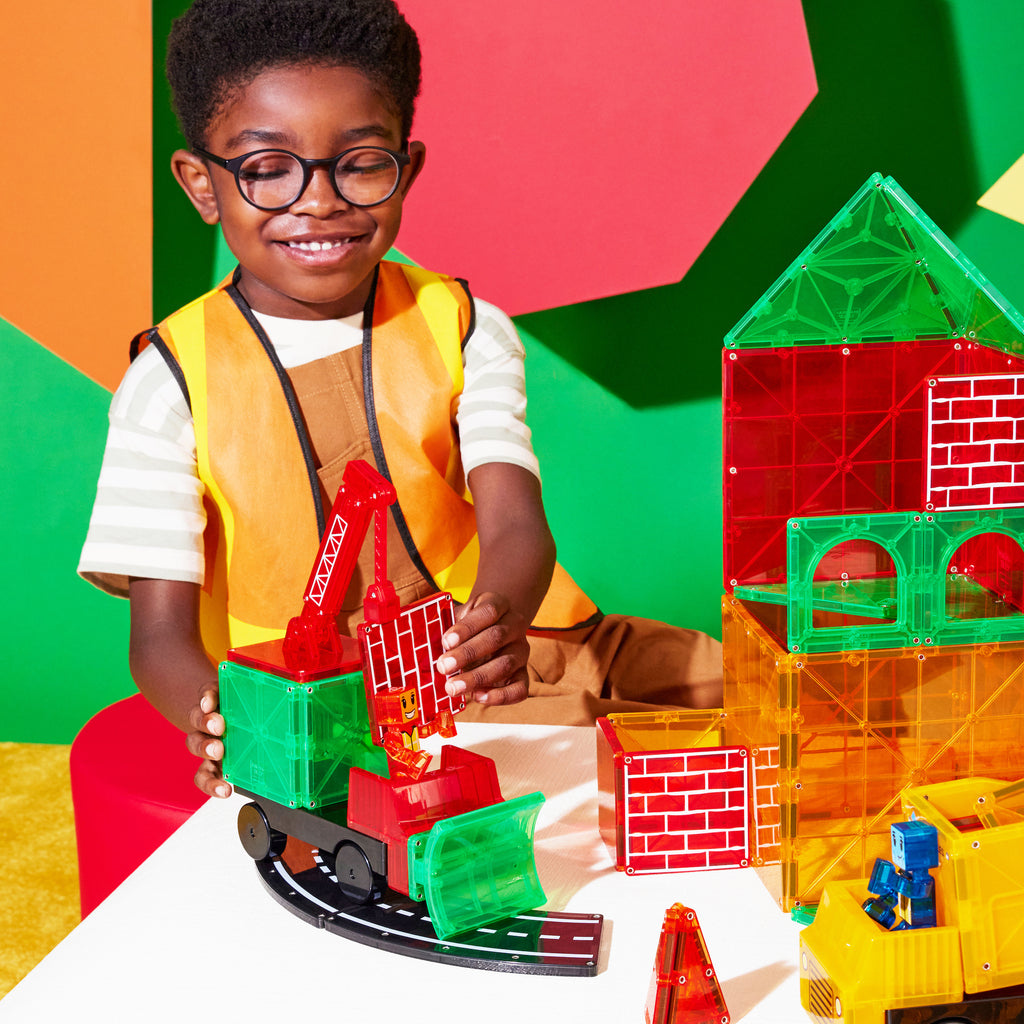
[{"x": 219, "y": 46}]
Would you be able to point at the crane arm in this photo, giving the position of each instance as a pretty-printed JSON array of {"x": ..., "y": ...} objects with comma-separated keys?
[{"x": 312, "y": 639}]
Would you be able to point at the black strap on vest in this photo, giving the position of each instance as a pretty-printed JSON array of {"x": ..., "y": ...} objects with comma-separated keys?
[
  {"x": 472, "y": 312},
  {"x": 371, "y": 421},
  {"x": 152, "y": 337},
  {"x": 293, "y": 404}
]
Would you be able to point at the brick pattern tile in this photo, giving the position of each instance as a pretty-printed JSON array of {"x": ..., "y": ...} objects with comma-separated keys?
[
  {"x": 687, "y": 810},
  {"x": 975, "y": 442}
]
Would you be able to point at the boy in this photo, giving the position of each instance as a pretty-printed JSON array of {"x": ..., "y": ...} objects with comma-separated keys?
[{"x": 231, "y": 430}]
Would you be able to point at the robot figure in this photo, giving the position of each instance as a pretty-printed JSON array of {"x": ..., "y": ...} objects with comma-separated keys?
[{"x": 903, "y": 890}]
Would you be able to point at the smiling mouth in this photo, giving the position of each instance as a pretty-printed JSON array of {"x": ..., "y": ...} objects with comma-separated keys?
[{"x": 320, "y": 246}]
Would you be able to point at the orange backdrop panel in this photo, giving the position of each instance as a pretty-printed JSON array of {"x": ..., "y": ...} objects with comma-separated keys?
[{"x": 75, "y": 261}]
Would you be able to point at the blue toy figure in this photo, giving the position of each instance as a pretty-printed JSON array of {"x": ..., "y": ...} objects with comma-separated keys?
[{"x": 903, "y": 890}]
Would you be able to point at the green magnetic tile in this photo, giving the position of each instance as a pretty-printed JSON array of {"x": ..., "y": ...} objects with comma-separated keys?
[{"x": 881, "y": 270}]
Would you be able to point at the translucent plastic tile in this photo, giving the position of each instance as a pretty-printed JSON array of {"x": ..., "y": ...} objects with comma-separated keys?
[
  {"x": 400, "y": 654},
  {"x": 881, "y": 270},
  {"x": 465, "y": 890},
  {"x": 295, "y": 742},
  {"x": 908, "y": 595},
  {"x": 978, "y": 882},
  {"x": 847, "y": 959},
  {"x": 854, "y": 729},
  {"x": 672, "y": 797},
  {"x": 684, "y": 987},
  {"x": 973, "y": 448},
  {"x": 932, "y": 973},
  {"x": 826, "y": 431},
  {"x": 996, "y": 563}
]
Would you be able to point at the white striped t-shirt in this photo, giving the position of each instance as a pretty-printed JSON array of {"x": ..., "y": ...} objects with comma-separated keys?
[{"x": 148, "y": 518}]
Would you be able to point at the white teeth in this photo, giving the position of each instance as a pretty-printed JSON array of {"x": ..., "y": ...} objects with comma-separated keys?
[{"x": 317, "y": 246}]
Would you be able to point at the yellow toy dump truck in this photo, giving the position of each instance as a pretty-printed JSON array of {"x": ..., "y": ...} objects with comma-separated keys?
[{"x": 967, "y": 970}]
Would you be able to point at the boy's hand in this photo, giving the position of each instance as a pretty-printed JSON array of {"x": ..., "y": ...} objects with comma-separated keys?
[
  {"x": 207, "y": 726},
  {"x": 486, "y": 652},
  {"x": 173, "y": 671}
]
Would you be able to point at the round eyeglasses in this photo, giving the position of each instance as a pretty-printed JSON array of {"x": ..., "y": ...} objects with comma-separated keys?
[{"x": 273, "y": 179}]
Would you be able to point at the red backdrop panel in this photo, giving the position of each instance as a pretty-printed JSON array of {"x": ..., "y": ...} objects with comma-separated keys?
[{"x": 583, "y": 149}]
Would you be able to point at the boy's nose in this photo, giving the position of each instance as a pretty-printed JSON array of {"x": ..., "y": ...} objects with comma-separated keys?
[{"x": 319, "y": 196}]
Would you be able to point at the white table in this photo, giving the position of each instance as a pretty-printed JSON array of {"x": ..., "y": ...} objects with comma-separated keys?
[{"x": 192, "y": 935}]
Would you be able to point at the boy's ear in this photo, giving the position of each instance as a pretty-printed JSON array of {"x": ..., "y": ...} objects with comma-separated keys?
[
  {"x": 193, "y": 175},
  {"x": 417, "y": 155}
]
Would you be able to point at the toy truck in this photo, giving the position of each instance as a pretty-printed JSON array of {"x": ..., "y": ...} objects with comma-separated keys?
[
  {"x": 969, "y": 969},
  {"x": 304, "y": 740}
]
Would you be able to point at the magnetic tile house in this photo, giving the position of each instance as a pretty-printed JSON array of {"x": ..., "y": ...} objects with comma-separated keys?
[{"x": 874, "y": 516}]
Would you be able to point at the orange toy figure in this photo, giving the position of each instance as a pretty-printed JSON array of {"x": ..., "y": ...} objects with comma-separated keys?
[{"x": 398, "y": 712}]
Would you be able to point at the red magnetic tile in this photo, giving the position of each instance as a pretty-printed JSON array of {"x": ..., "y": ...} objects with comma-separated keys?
[
  {"x": 1010, "y": 407},
  {"x": 708, "y": 841},
  {"x": 708, "y": 801},
  {"x": 686, "y": 822},
  {"x": 992, "y": 474}
]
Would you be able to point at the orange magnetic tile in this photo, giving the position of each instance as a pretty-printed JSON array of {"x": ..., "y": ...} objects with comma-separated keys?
[{"x": 854, "y": 729}]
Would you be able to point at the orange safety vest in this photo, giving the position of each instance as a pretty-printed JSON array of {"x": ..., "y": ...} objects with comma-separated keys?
[{"x": 264, "y": 514}]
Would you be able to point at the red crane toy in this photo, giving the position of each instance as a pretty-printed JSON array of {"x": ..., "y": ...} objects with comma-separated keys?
[{"x": 322, "y": 735}]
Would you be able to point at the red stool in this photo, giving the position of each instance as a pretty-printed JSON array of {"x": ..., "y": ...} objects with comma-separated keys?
[{"x": 131, "y": 785}]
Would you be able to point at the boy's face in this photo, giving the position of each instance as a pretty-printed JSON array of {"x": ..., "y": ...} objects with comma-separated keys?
[{"x": 315, "y": 112}]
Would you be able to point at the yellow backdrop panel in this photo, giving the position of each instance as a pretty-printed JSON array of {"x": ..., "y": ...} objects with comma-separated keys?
[{"x": 1006, "y": 196}]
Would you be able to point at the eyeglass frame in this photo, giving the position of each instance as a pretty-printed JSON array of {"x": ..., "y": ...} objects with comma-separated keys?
[{"x": 234, "y": 165}]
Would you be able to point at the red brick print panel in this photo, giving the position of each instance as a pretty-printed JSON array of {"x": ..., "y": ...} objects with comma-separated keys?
[
  {"x": 973, "y": 451},
  {"x": 402, "y": 652},
  {"x": 687, "y": 810}
]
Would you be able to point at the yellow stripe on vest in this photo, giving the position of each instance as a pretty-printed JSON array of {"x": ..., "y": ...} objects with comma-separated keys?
[
  {"x": 245, "y": 633},
  {"x": 441, "y": 311},
  {"x": 459, "y": 577},
  {"x": 191, "y": 323}
]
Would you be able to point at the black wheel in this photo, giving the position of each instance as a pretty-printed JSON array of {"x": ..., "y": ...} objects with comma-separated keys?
[
  {"x": 355, "y": 876},
  {"x": 258, "y": 839}
]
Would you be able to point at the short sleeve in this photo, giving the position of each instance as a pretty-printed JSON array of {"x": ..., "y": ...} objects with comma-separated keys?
[
  {"x": 148, "y": 518},
  {"x": 491, "y": 412}
]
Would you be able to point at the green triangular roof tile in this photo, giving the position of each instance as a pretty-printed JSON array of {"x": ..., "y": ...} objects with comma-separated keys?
[{"x": 880, "y": 271}]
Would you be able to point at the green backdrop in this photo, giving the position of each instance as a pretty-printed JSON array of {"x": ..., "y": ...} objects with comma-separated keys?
[{"x": 624, "y": 392}]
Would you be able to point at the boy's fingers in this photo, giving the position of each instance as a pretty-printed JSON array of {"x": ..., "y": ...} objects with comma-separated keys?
[
  {"x": 206, "y": 721},
  {"x": 208, "y": 779},
  {"x": 506, "y": 666},
  {"x": 210, "y": 724},
  {"x": 513, "y": 693},
  {"x": 474, "y": 622},
  {"x": 476, "y": 648},
  {"x": 203, "y": 745},
  {"x": 480, "y": 645},
  {"x": 203, "y": 740},
  {"x": 485, "y": 610}
]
